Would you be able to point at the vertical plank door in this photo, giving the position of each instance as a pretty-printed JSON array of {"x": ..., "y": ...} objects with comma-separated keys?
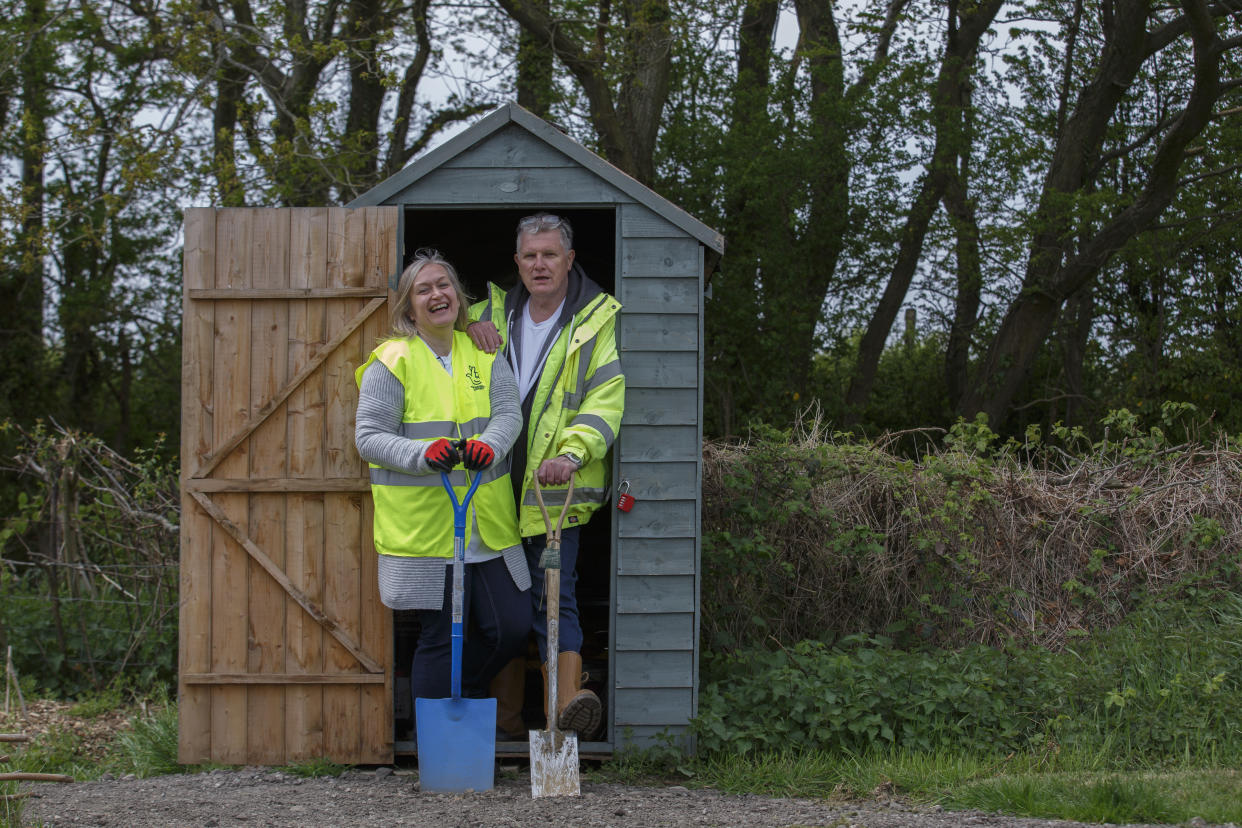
[{"x": 285, "y": 649}]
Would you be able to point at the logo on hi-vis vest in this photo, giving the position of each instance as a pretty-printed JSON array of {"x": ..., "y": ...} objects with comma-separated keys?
[
  {"x": 573, "y": 518},
  {"x": 472, "y": 376}
]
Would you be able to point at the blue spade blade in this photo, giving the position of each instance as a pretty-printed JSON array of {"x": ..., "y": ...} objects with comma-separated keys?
[{"x": 456, "y": 744}]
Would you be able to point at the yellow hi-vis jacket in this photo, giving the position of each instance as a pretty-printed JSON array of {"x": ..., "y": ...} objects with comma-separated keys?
[
  {"x": 577, "y": 405},
  {"x": 413, "y": 514}
]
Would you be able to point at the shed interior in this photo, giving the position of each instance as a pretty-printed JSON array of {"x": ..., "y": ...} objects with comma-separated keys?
[{"x": 480, "y": 244}]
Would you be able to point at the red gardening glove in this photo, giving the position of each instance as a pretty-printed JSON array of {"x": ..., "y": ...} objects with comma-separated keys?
[
  {"x": 442, "y": 455},
  {"x": 476, "y": 455}
]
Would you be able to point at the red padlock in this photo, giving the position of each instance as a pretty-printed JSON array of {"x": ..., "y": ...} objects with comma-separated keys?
[{"x": 625, "y": 500}]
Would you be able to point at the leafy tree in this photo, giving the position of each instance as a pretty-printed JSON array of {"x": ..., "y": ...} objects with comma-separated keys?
[
  {"x": 301, "y": 92},
  {"x": 1077, "y": 226},
  {"x": 784, "y": 142},
  {"x": 944, "y": 180},
  {"x": 1113, "y": 102},
  {"x": 89, "y": 227}
]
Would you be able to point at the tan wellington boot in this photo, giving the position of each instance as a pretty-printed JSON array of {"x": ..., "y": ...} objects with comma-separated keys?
[
  {"x": 580, "y": 709},
  {"x": 509, "y": 687}
]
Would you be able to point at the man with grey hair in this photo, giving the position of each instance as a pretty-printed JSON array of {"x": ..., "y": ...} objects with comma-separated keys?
[{"x": 557, "y": 330}]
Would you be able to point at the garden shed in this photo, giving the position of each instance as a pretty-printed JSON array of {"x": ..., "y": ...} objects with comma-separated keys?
[{"x": 286, "y": 652}]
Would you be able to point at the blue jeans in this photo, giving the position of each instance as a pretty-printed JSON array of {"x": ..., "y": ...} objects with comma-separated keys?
[
  {"x": 570, "y": 636},
  {"x": 496, "y": 617}
]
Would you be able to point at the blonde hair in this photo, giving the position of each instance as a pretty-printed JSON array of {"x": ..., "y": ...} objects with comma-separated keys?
[{"x": 399, "y": 314}]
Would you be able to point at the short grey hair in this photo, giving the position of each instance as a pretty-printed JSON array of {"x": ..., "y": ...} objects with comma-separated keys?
[
  {"x": 399, "y": 315},
  {"x": 542, "y": 223}
]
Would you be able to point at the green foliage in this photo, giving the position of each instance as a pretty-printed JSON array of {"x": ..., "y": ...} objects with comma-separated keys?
[
  {"x": 56, "y": 751},
  {"x": 909, "y": 391},
  {"x": 805, "y": 153},
  {"x": 88, "y": 575},
  {"x": 96, "y": 704},
  {"x": 145, "y": 746},
  {"x": 1060, "y": 786},
  {"x": 78, "y": 646},
  {"x": 1165, "y": 685},
  {"x": 315, "y": 767},
  {"x": 655, "y": 764},
  {"x": 864, "y": 695},
  {"x": 1163, "y": 688},
  {"x": 92, "y": 230},
  {"x": 762, "y": 527},
  {"x": 148, "y": 746}
]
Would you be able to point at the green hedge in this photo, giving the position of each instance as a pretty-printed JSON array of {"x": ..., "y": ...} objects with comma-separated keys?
[{"x": 816, "y": 535}]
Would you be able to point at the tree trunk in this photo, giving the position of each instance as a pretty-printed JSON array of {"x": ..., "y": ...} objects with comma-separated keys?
[
  {"x": 752, "y": 211},
  {"x": 966, "y": 303},
  {"x": 951, "y": 101},
  {"x": 626, "y": 120},
  {"x": 360, "y": 157},
  {"x": 648, "y": 63},
  {"x": 230, "y": 86},
  {"x": 22, "y": 279},
  {"x": 535, "y": 65},
  {"x": 1075, "y": 337},
  {"x": 819, "y": 249}
]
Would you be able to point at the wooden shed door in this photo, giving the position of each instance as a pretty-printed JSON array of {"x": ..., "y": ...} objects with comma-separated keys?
[{"x": 285, "y": 649}]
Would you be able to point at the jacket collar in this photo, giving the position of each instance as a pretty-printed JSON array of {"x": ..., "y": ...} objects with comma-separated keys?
[{"x": 581, "y": 290}]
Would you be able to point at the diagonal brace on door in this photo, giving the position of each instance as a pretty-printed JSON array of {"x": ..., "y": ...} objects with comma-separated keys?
[
  {"x": 322, "y": 618},
  {"x": 212, "y": 460}
]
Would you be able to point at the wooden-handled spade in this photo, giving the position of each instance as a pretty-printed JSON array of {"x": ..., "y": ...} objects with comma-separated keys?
[{"x": 553, "y": 752}]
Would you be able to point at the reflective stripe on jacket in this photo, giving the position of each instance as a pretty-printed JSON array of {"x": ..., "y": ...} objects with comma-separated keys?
[
  {"x": 413, "y": 515},
  {"x": 577, "y": 406}
]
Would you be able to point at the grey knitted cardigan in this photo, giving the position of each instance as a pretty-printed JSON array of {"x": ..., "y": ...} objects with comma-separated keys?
[{"x": 418, "y": 583}]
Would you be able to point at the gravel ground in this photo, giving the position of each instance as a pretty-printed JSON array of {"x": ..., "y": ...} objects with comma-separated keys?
[{"x": 384, "y": 797}]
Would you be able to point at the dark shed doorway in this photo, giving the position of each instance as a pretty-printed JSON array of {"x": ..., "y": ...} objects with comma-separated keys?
[{"x": 480, "y": 244}]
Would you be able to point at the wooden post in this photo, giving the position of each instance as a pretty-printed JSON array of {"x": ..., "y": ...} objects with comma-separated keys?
[
  {"x": 10, "y": 679},
  {"x": 21, "y": 776}
]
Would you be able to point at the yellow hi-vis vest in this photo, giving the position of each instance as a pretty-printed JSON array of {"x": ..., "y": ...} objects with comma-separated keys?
[
  {"x": 413, "y": 514},
  {"x": 577, "y": 407}
]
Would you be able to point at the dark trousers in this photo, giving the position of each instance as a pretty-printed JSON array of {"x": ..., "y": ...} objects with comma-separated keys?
[
  {"x": 496, "y": 617},
  {"x": 570, "y": 632}
]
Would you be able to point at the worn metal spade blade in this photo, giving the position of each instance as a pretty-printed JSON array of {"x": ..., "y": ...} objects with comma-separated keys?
[{"x": 554, "y": 763}]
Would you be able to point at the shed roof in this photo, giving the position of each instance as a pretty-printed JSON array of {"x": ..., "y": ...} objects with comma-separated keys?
[{"x": 512, "y": 113}]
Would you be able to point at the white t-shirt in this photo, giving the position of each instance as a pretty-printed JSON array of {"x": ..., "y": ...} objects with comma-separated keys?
[{"x": 533, "y": 336}]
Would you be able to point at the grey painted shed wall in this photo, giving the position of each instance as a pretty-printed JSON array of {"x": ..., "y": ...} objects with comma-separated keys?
[
  {"x": 512, "y": 159},
  {"x": 660, "y": 286}
]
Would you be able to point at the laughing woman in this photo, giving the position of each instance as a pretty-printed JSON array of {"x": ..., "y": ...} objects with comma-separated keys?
[{"x": 430, "y": 401}]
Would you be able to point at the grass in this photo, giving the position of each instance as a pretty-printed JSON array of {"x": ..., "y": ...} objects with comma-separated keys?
[
  {"x": 10, "y": 809},
  {"x": 315, "y": 767},
  {"x": 1049, "y": 785},
  {"x": 1147, "y": 730},
  {"x": 57, "y": 751},
  {"x": 146, "y": 746},
  {"x": 1043, "y": 786},
  {"x": 1157, "y": 797},
  {"x": 98, "y": 704}
]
